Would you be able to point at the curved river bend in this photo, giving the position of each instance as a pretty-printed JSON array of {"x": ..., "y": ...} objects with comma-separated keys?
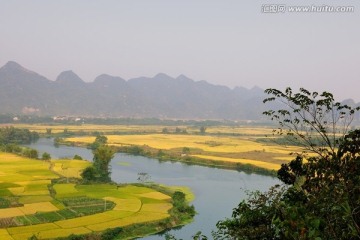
[{"x": 217, "y": 191}]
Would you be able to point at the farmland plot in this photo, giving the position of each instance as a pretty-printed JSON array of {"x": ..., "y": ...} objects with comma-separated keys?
[
  {"x": 243, "y": 149},
  {"x": 28, "y": 208}
]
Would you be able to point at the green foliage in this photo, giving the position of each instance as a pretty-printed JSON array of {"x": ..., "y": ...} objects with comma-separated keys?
[
  {"x": 202, "y": 130},
  {"x": 12, "y": 148},
  {"x": 22, "y": 151},
  {"x": 46, "y": 156},
  {"x": 134, "y": 150},
  {"x": 312, "y": 120},
  {"x": 99, "y": 171},
  {"x": 13, "y": 135},
  {"x": 181, "y": 206},
  {"x": 30, "y": 153},
  {"x": 99, "y": 141},
  {"x": 252, "y": 219},
  {"x": 101, "y": 161},
  {"x": 58, "y": 141},
  {"x": 89, "y": 174},
  {"x": 178, "y": 197},
  {"x": 111, "y": 233},
  {"x": 321, "y": 200},
  {"x": 76, "y": 237},
  {"x": 199, "y": 236},
  {"x": 77, "y": 157}
]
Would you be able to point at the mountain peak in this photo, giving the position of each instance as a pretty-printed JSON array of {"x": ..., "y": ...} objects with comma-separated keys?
[
  {"x": 69, "y": 77},
  {"x": 162, "y": 76},
  {"x": 105, "y": 78},
  {"x": 182, "y": 77},
  {"x": 11, "y": 65}
]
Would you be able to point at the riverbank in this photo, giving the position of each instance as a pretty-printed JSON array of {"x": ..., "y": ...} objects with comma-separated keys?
[
  {"x": 243, "y": 148},
  {"x": 210, "y": 185},
  {"x": 178, "y": 155}
]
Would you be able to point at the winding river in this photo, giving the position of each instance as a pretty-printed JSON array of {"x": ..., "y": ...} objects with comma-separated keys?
[{"x": 217, "y": 191}]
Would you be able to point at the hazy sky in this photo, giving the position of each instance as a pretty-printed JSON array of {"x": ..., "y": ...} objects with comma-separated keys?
[{"x": 225, "y": 42}]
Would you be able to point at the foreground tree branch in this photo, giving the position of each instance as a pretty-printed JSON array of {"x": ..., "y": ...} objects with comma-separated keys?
[{"x": 312, "y": 120}]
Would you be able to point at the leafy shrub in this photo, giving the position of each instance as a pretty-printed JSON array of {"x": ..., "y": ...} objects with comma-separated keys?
[
  {"x": 77, "y": 157},
  {"x": 111, "y": 233}
]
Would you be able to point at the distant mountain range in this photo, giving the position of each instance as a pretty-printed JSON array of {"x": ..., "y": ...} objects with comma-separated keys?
[{"x": 25, "y": 92}]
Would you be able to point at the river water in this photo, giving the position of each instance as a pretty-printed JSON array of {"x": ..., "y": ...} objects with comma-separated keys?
[{"x": 217, "y": 191}]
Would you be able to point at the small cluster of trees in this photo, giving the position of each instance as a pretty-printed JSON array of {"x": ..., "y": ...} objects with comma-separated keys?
[
  {"x": 100, "y": 169},
  {"x": 11, "y": 135},
  {"x": 24, "y": 151},
  {"x": 177, "y": 130}
]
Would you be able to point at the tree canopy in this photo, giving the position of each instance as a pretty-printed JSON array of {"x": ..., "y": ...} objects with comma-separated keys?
[
  {"x": 11, "y": 135},
  {"x": 100, "y": 169},
  {"x": 312, "y": 120},
  {"x": 102, "y": 157},
  {"x": 319, "y": 198}
]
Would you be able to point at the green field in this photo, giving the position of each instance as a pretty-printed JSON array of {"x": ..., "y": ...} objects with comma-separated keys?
[{"x": 28, "y": 207}]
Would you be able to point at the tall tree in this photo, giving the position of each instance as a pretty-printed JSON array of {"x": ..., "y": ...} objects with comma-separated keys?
[
  {"x": 99, "y": 141},
  {"x": 102, "y": 157},
  {"x": 100, "y": 169}
]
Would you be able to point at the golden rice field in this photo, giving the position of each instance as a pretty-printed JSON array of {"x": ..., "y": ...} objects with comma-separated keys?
[
  {"x": 69, "y": 169},
  {"x": 27, "y": 180},
  {"x": 130, "y": 209},
  {"x": 235, "y": 149},
  {"x": 243, "y": 130},
  {"x": 261, "y": 164},
  {"x": 218, "y": 146},
  {"x": 40, "y": 128}
]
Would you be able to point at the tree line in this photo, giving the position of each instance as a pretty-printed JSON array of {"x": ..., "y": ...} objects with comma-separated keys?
[
  {"x": 11, "y": 138},
  {"x": 11, "y": 135}
]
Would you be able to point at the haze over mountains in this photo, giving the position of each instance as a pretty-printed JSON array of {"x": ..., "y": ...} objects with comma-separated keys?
[{"x": 23, "y": 92}]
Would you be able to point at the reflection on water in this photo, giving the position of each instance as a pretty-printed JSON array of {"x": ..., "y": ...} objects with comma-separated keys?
[{"x": 217, "y": 191}]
